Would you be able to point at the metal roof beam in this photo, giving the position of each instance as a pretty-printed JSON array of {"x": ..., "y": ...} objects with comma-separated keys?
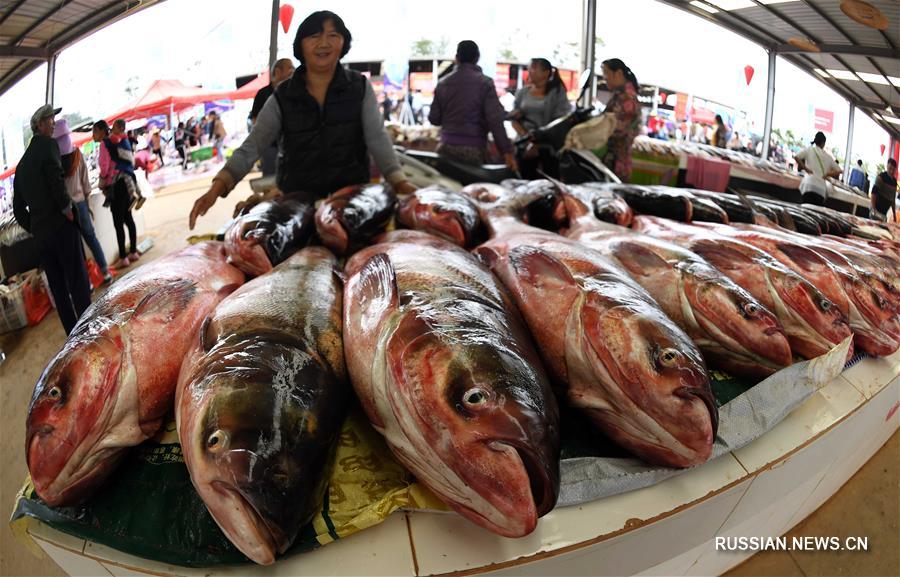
[
  {"x": 23, "y": 52},
  {"x": 845, "y": 49},
  {"x": 12, "y": 9},
  {"x": 39, "y": 21}
]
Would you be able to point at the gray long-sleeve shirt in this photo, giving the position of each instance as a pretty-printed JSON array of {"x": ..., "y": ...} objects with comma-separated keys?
[
  {"x": 537, "y": 112},
  {"x": 268, "y": 130}
]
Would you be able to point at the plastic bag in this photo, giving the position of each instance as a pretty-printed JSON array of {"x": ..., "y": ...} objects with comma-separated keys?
[{"x": 36, "y": 298}]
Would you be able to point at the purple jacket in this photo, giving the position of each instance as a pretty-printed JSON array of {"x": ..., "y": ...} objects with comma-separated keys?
[{"x": 466, "y": 107}]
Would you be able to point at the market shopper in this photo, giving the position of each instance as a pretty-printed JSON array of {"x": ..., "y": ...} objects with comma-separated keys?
[
  {"x": 42, "y": 207},
  {"x": 720, "y": 133},
  {"x": 118, "y": 183},
  {"x": 326, "y": 120},
  {"x": 818, "y": 165},
  {"x": 466, "y": 107},
  {"x": 537, "y": 104},
  {"x": 180, "y": 139},
  {"x": 217, "y": 134},
  {"x": 78, "y": 185},
  {"x": 281, "y": 71},
  {"x": 884, "y": 192},
  {"x": 624, "y": 106}
]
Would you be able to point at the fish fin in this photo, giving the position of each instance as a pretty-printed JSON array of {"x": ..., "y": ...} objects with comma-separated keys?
[
  {"x": 804, "y": 257},
  {"x": 166, "y": 300},
  {"x": 226, "y": 290},
  {"x": 376, "y": 286},
  {"x": 487, "y": 255},
  {"x": 637, "y": 259},
  {"x": 206, "y": 341},
  {"x": 721, "y": 256},
  {"x": 536, "y": 266}
]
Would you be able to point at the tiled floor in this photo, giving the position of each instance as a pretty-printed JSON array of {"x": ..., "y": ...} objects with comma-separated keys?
[{"x": 867, "y": 506}]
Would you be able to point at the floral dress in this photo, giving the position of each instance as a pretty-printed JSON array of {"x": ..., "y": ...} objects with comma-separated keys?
[{"x": 625, "y": 107}]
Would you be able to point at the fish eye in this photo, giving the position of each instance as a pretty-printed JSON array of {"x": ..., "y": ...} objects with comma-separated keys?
[
  {"x": 751, "y": 309},
  {"x": 55, "y": 393},
  {"x": 669, "y": 357},
  {"x": 217, "y": 441},
  {"x": 825, "y": 305},
  {"x": 475, "y": 397}
]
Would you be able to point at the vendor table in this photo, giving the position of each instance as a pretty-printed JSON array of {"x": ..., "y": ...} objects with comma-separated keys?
[{"x": 762, "y": 489}]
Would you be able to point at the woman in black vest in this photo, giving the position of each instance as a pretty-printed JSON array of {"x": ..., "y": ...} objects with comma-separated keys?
[{"x": 326, "y": 121}]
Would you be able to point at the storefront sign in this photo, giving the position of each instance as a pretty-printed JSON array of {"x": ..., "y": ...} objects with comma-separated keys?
[{"x": 824, "y": 120}]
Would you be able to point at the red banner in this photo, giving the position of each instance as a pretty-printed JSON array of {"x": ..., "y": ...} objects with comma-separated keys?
[{"x": 824, "y": 120}]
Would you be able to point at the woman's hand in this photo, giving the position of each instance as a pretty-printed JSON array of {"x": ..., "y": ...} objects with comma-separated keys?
[
  {"x": 405, "y": 187},
  {"x": 205, "y": 202}
]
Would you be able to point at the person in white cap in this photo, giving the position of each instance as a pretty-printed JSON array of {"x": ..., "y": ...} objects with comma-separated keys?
[
  {"x": 78, "y": 185},
  {"x": 43, "y": 208}
]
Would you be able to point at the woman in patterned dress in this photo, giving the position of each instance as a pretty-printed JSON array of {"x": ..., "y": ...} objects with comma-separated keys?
[{"x": 627, "y": 110}]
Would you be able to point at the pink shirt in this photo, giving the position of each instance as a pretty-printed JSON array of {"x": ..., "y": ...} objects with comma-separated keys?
[{"x": 108, "y": 170}]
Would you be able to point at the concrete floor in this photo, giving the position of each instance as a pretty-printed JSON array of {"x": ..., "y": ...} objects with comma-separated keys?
[{"x": 871, "y": 496}]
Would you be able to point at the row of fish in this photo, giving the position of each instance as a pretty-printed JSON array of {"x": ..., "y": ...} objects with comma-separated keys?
[{"x": 446, "y": 349}]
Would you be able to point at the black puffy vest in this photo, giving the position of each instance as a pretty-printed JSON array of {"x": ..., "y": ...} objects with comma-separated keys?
[{"x": 322, "y": 150}]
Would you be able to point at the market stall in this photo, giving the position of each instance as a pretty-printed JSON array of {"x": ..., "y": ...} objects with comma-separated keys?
[{"x": 728, "y": 402}]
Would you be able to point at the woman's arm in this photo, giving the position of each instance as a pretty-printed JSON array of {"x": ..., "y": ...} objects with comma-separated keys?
[
  {"x": 83, "y": 179},
  {"x": 377, "y": 140},
  {"x": 266, "y": 131},
  {"x": 436, "y": 114}
]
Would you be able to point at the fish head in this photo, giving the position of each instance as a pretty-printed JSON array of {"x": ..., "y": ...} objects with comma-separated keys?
[
  {"x": 245, "y": 245},
  {"x": 331, "y": 229},
  {"x": 250, "y": 446},
  {"x": 71, "y": 407},
  {"x": 654, "y": 367},
  {"x": 733, "y": 316},
  {"x": 445, "y": 213},
  {"x": 479, "y": 422},
  {"x": 822, "y": 324}
]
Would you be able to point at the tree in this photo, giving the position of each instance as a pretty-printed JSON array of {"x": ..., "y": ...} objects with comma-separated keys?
[
  {"x": 131, "y": 86},
  {"x": 428, "y": 47}
]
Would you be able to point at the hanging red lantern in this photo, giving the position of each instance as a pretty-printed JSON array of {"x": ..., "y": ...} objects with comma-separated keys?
[
  {"x": 748, "y": 73},
  {"x": 882, "y": 150},
  {"x": 285, "y": 15}
]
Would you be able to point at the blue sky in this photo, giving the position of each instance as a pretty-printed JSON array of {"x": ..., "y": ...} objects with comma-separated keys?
[{"x": 209, "y": 42}]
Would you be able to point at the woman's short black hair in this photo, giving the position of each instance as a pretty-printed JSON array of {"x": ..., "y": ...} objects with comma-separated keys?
[
  {"x": 315, "y": 23},
  {"x": 102, "y": 125}
]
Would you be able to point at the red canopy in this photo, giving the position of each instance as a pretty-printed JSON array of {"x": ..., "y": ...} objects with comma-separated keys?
[
  {"x": 163, "y": 97},
  {"x": 248, "y": 90}
]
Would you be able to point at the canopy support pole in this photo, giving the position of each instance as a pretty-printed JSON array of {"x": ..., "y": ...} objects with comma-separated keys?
[
  {"x": 770, "y": 106},
  {"x": 589, "y": 40},
  {"x": 273, "y": 35},
  {"x": 51, "y": 79},
  {"x": 848, "y": 158}
]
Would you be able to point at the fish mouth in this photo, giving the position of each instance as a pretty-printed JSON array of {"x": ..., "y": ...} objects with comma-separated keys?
[
  {"x": 78, "y": 477},
  {"x": 705, "y": 395},
  {"x": 544, "y": 489},
  {"x": 245, "y": 527}
]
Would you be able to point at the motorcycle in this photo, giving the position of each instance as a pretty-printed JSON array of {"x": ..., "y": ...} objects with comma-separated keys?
[{"x": 575, "y": 166}]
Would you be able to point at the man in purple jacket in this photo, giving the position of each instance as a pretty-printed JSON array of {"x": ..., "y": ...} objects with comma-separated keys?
[{"x": 466, "y": 107}]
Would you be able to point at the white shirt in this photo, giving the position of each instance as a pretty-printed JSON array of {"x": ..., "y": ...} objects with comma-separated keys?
[{"x": 818, "y": 161}]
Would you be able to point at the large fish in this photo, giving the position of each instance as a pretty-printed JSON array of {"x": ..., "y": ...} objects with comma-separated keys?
[
  {"x": 447, "y": 373},
  {"x": 269, "y": 233},
  {"x": 354, "y": 215},
  {"x": 812, "y": 323},
  {"x": 618, "y": 358},
  {"x": 441, "y": 212},
  {"x": 865, "y": 310},
  {"x": 732, "y": 328},
  {"x": 114, "y": 380},
  {"x": 261, "y": 399}
]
